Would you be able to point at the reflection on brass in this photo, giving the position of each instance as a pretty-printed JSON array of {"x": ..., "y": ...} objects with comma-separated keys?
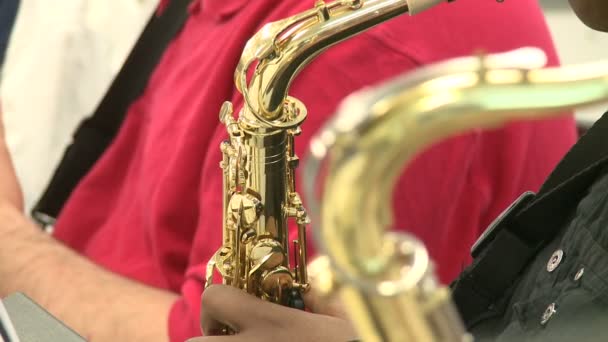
[
  {"x": 385, "y": 279},
  {"x": 259, "y": 161}
]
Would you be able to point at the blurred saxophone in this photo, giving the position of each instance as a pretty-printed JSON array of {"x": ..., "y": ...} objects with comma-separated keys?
[
  {"x": 258, "y": 159},
  {"x": 385, "y": 279}
]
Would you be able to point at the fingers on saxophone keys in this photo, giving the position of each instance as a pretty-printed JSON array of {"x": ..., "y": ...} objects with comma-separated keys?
[{"x": 226, "y": 305}]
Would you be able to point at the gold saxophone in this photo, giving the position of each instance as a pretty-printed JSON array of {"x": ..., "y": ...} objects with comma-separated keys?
[
  {"x": 258, "y": 159},
  {"x": 385, "y": 279}
]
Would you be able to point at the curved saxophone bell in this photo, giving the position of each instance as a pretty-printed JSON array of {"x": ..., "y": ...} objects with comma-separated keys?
[{"x": 386, "y": 279}]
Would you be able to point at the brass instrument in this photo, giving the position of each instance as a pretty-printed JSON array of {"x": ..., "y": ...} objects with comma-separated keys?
[
  {"x": 385, "y": 279},
  {"x": 258, "y": 159}
]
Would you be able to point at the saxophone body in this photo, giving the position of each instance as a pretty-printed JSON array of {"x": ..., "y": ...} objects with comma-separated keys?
[
  {"x": 385, "y": 279},
  {"x": 259, "y": 162}
]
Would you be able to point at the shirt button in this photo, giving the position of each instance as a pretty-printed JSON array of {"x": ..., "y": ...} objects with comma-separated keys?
[
  {"x": 549, "y": 312},
  {"x": 579, "y": 274},
  {"x": 555, "y": 259}
]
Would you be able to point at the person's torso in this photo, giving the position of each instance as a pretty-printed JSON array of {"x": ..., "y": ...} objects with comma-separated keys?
[{"x": 138, "y": 211}]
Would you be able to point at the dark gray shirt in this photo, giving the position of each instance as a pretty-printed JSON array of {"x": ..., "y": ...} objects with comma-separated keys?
[{"x": 563, "y": 294}]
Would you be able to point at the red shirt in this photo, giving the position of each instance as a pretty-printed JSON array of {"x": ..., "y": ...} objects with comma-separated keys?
[{"x": 151, "y": 207}]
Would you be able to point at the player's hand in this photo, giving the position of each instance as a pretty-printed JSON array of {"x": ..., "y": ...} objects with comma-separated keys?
[{"x": 255, "y": 320}]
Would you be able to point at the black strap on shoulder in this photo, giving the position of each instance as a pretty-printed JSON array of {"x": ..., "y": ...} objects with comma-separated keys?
[
  {"x": 513, "y": 239},
  {"x": 95, "y": 133}
]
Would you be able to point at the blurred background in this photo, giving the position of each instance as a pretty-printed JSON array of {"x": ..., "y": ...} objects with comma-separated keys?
[
  {"x": 64, "y": 54},
  {"x": 80, "y": 45}
]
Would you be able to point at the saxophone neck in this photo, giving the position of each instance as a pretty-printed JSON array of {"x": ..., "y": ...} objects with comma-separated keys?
[{"x": 282, "y": 48}]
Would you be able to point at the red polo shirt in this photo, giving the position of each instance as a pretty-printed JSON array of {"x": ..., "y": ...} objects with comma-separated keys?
[{"x": 151, "y": 207}]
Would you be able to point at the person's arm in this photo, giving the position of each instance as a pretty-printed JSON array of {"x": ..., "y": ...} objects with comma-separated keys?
[
  {"x": 257, "y": 320},
  {"x": 9, "y": 186},
  {"x": 97, "y": 304}
]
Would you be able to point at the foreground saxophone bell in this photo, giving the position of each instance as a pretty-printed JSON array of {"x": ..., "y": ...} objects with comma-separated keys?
[
  {"x": 259, "y": 161},
  {"x": 385, "y": 279}
]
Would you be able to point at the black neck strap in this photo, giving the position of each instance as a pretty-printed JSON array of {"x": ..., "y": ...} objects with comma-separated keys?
[
  {"x": 96, "y": 132},
  {"x": 512, "y": 240}
]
